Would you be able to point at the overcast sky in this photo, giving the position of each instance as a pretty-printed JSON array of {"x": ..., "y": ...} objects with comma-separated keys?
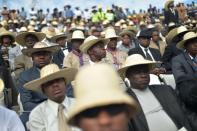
[{"x": 132, "y": 4}]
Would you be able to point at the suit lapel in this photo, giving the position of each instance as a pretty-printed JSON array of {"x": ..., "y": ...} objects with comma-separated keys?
[
  {"x": 188, "y": 59},
  {"x": 141, "y": 52},
  {"x": 140, "y": 115}
]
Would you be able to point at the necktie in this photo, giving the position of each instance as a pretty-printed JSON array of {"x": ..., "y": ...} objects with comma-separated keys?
[
  {"x": 148, "y": 57},
  {"x": 62, "y": 119},
  {"x": 195, "y": 63},
  {"x": 80, "y": 55}
]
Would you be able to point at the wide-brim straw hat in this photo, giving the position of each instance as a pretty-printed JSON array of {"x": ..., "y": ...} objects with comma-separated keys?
[
  {"x": 48, "y": 73},
  {"x": 127, "y": 32},
  {"x": 168, "y": 2},
  {"x": 90, "y": 41},
  {"x": 187, "y": 37},
  {"x": 7, "y": 33},
  {"x": 40, "y": 46},
  {"x": 133, "y": 60},
  {"x": 176, "y": 32},
  {"x": 77, "y": 35},
  {"x": 50, "y": 31},
  {"x": 20, "y": 38},
  {"x": 98, "y": 92},
  {"x": 54, "y": 38},
  {"x": 110, "y": 33},
  {"x": 1, "y": 85}
]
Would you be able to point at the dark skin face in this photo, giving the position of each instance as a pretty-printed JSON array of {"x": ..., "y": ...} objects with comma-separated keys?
[
  {"x": 76, "y": 44},
  {"x": 61, "y": 41},
  {"x": 155, "y": 36},
  {"x": 191, "y": 47},
  {"x": 6, "y": 41},
  {"x": 138, "y": 76},
  {"x": 30, "y": 40},
  {"x": 97, "y": 52},
  {"x": 112, "y": 44},
  {"x": 126, "y": 40},
  {"x": 105, "y": 118},
  {"x": 41, "y": 58},
  {"x": 55, "y": 90},
  {"x": 145, "y": 42}
]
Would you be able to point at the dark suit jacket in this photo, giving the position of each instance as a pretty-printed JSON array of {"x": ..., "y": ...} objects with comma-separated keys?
[
  {"x": 171, "y": 17},
  {"x": 155, "y": 53},
  {"x": 58, "y": 58},
  {"x": 170, "y": 52},
  {"x": 182, "y": 65},
  {"x": 168, "y": 100}
]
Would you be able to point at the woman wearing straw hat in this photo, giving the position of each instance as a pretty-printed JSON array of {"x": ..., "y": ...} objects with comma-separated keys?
[
  {"x": 9, "y": 119},
  {"x": 186, "y": 62},
  {"x": 101, "y": 105},
  {"x": 156, "y": 113},
  {"x": 76, "y": 58},
  {"x": 116, "y": 57},
  {"x": 51, "y": 114}
]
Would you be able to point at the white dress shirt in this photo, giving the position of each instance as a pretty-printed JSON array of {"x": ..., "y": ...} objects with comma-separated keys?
[
  {"x": 9, "y": 120},
  {"x": 44, "y": 117},
  {"x": 157, "y": 118},
  {"x": 143, "y": 49}
]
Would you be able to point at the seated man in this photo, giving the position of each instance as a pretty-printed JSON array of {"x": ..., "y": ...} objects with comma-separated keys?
[
  {"x": 51, "y": 114},
  {"x": 160, "y": 109},
  {"x": 186, "y": 62},
  {"x": 9, "y": 119},
  {"x": 101, "y": 105}
]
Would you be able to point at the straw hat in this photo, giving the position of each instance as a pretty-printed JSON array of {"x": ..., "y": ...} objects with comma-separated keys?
[
  {"x": 175, "y": 32},
  {"x": 50, "y": 31},
  {"x": 90, "y": 41},
  {"x": 54, "y": 23},
  {"x": 168, "y": 2},
  {"x": 78, "y": 34},
  {"x": 127, "y": 32},
  {"x": 100, "y": 91},
  {"x": 7, "y": 33},
  {"x": 40, "y": 46},
  {"x": 1, "y": 85},
  {"x": 117, "y": 24},
  {"x": 23, "y": 29},
  {"x": 110, "y": 33},
  {"x": 48, "y": 73},
  {"x": 61, "y": 35},
  {"x": 20, "y": 38},
  {"x": 188, "y": 36},
  {"x": 133, "y": 60}
]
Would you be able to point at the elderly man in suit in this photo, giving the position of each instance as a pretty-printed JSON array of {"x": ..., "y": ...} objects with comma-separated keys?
[
  {"x": 26, "y": 39},
  {"x": 156, "y": 113},
  {"x": 186, "y": 62},
  {"x": 41, "y": 55},
  {"x": 147, "y": 52}
]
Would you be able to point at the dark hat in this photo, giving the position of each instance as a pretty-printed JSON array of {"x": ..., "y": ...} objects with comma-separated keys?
[{"x": 144, "y": 34}]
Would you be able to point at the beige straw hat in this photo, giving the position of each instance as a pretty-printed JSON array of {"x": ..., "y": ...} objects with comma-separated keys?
[
  {"x": 40, "y": 46},
  {"x": 20, "y": 38},
  {"x": 61, "y": 35},
  {"x": 127, "y": 32},
  {"x": 188, "y": 36},
  {"x": 77, "y": 34},
  {"x": 100, "y": 91},
  {"x": 90, "y": 41},
  {"x": 133, "y": 60},
  {"x": 110, "y": 33},
  {"x": 48, "y": 73},
  {"x": 50, "y": 31},
  {"x": 7, "y": 33}
]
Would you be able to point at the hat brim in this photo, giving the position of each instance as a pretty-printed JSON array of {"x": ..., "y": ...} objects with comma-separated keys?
[
  {"x": 129, "y": 33},
  {"x": 86, "y": 46},
  {"x": 11, "y": 35},
  {"x": 98, "y": 100},
  {"x": 30, "y": 51},
  {"x": 122, "y": 71},
  {"x": 54, "y": 38},
  {"x": 181, "y": 44},
  {"x": 68, "y": 74},
  {"x": 20, "y": 39}
]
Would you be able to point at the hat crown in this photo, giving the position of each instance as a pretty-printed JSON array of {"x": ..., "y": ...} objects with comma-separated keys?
[
  {"x": 110, "y": 33},
  {"x": 90, "y": 38},
  {"x": 134, "y": 59},
  {"x": 181, "y": 29},
  {"x": 78, "y": 34},
  {"x": 48, "y": 70},
  {"x": 39, "y": 45},
  {"x": 189, "y": 35},
  {"x": 100, "y": 75}
]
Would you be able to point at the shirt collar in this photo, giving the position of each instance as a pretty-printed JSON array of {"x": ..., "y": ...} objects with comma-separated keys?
[{"x": 143, "y": 47}]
